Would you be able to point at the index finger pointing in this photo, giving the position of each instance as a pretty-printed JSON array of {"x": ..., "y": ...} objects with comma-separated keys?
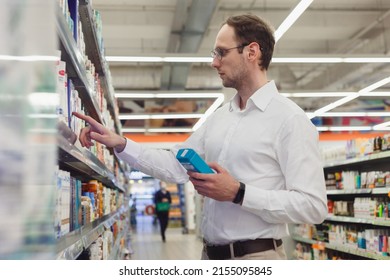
[{"x": 88, "y": 119}]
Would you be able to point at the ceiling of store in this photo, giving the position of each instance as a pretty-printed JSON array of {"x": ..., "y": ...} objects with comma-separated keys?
[{"x": 328, "y": 28}]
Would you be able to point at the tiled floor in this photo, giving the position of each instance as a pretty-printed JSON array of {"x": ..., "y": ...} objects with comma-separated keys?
[{"x": 147, "y": 244}]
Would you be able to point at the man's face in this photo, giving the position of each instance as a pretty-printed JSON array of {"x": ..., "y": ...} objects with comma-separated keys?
[{"x": 230, "y": 66}]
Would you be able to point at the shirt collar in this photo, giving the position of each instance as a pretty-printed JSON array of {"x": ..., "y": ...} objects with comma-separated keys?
[{"x": 260, "y": 98}]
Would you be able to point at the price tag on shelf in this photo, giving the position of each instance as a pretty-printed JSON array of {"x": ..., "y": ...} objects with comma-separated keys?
[
  {"x": 100, "y": 230},
  {"x": 107, "y": 224},
  {"x": 90, "y": 237},
  {"x": 75, "y": 250},
  {"x": 61, "y": 255}
]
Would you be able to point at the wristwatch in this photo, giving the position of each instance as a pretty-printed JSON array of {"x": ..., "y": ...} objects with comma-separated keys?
[{"x": 240, "y": 194}]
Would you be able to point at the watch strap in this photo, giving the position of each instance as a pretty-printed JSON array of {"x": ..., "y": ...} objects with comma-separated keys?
[{"x": 240, "y": 194}]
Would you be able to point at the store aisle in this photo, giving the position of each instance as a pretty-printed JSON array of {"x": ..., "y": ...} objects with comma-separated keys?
[{"x": 147, "y": 244}]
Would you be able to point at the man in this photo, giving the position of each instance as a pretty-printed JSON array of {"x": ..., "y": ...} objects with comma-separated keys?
[
  {"x": 262, "y": 146},
  {"x": 162, "y": 201}
]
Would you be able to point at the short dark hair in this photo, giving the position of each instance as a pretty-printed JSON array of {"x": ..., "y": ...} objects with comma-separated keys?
[{"x": 250, "y": 28}]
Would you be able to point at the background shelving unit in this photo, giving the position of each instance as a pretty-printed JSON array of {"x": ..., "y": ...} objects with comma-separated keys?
[
  {"x": 80, "y": 162},
  {"x": 182, "y": 203},
  {"x": 378, "y": 161},
  {"x": 175, "y": 213}
]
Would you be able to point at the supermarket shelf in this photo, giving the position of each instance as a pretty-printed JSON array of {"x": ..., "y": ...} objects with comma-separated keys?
[
  {"x": 384, "y": 190},
  {"x": 115, "y": 251},
  {"x": 175, "y": 218},
  {"x": 71, "y": 156},
  {"x": 94, "y": 53},
  {"x": 343, "y": 219},
  {"x": 349, "y": 191},
  {"x": 75, "y": 67},
  {"x": 343, "y": 248},
  {"x": 376, "y": 156},
  {"x": 66, "y": 132},
  {"x": 175, "y": 206},
  {"x": 84, "y": 163},
  {"x": 124, "y": 168},
  {"x": 70, "y": 246}
]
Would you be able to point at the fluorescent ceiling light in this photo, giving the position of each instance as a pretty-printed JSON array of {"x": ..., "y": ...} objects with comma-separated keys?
[
  {"x": 134, "y": 58},
  {"x": 43, "y": 130},
  {"x": 307, "y": 60},
  {"x": 375, "y": 85},
  {"x": 29, "y": 58},
  {"x": 148, "y": 95},
  {"x": 379, "y": 127},
  {"x": 44, "y": 99},
  {"x": 335, "y": 104},
  {"x": 158, "y": 130},
  {"x": 315, "y": 94},
  {"x": 171, "y": 129},
  {"x": 168, "y": 59},
  {"x": 344, "y": 128},
  {"x": 209, "y": 111},
  {"x": 178, "y": 58},
  {"x": 291, "y": 18},
  {"x": 376, "y": 94},
  {"x": 43, "y": 116},
  {"x": 384, "y": 59},
  {"x": 158, "y": 116},
  {"x": 366, "y": 60},
  {"x": 188, "y": 59},
  {"x": 350, "y": 97},
  {"x": 334, "y": 94},
  {"x": 382, "y": 126},
  {"x": 133, "y": 130},
  {"x": 207, "y": 59},
  {"x": 353, "y": 114},
  {"x": 202, "y": 117}
]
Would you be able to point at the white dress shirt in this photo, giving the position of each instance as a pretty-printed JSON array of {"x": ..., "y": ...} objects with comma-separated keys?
[{"x": 271, "y": 146}]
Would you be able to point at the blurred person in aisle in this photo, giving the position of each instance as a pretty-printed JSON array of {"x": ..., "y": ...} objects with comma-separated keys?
[
  {"x": 262, "y": 146},
  {"x": 133, "y": 212},
  {"x": 162, "y": 202}
]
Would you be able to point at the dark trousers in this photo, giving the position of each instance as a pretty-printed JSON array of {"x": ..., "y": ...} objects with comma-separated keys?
[{"x": 163, "y": 217}]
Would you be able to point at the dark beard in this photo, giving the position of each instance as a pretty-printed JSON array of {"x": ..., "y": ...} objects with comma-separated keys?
[{"x": 236, "y": 82}]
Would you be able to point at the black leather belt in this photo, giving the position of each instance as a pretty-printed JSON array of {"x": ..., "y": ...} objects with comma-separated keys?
[{"x": 241, "y": 248}]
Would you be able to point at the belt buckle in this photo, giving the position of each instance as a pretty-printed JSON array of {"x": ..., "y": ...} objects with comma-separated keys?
[{"x": 238, "y": 249}]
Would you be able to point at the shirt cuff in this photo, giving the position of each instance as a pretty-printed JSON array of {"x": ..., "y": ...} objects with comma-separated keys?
[
  {"x": 130, "y": 153},
  {"x": 252, "y": 197}
]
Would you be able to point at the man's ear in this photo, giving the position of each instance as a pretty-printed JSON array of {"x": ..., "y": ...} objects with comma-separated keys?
[{"x": 254, "y": 52}]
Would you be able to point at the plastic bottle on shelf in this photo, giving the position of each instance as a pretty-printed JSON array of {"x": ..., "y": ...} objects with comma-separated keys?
[{"x": 361, "y": 240}]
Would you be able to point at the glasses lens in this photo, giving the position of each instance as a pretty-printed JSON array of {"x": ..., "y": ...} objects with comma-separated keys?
[
  {"x": 220, "y": 52},
  {"x": 217, "y": 53}
]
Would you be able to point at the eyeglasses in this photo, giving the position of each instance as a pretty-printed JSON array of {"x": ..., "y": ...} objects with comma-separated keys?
[{"x": 219, "y": 52}]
